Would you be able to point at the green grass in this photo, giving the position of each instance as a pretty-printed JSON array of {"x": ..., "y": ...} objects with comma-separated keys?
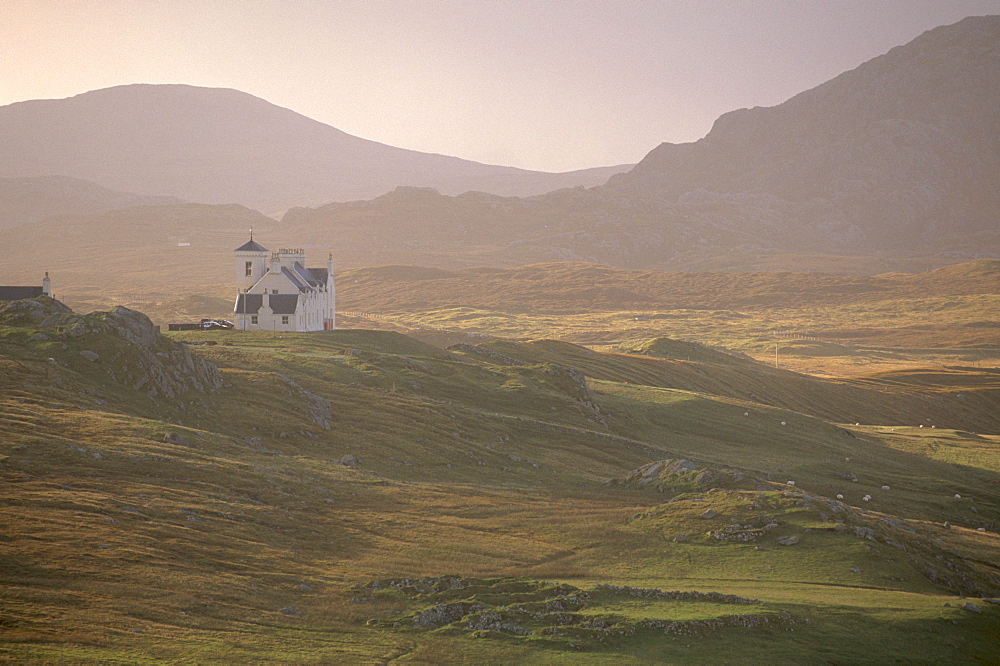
[{"x": 248, "y": 541}]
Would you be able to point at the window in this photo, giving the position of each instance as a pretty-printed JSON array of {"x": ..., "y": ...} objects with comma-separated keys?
[
  {"x": 249, "y": 268},
  {"x": 274, "y": 291},
  {"x": 253, "y": 319},
  {"x": 284, "y": 320}
]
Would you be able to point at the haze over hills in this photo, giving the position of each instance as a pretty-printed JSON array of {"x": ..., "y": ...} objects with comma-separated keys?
[
  {"x": 895, "y": 160},
  {"x": 215, "y": 145},
  {"x": 898, "y": 157},
  {"x": 892, "y": 166},
  {"x": 144, "y": 247},
  {"x": 26, "y": 200}
]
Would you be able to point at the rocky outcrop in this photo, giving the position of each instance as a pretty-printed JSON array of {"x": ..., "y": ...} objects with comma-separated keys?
[
  {"x": 573, "y": 383},
  {"x": 122, "y": 342},
  {"x": 319, "y": 409},
  {"x": 676, "y": 475},
  {"x": 561, "y": 613},
  {"x": 41, "y": 312},
  {"x": 135, "y": 354}
]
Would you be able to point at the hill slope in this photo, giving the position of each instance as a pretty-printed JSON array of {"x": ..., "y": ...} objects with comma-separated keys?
[
  {"x": 899, "y": 157},
  {"x": 214, "y": 145},
  {"x": 903, "y": 151}
]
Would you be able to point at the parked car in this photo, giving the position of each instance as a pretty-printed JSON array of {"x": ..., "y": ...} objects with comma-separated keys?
[{"x": 216, "y": 324}]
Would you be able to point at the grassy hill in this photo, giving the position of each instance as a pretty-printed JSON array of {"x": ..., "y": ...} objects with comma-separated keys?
[{"x": 362, "y": 496}]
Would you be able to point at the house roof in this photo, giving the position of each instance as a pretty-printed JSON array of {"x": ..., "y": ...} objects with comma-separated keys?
[
  {"x": 296, "y": 281},
  {"x": 281, "y": 304},
  {"x": 251, "y": 246},
  {"x": 18, "y": 293},
  {"x": 319, "y": 275},
  {"x": 305, "y": 275},
  {"x": 248, "y": 304}
]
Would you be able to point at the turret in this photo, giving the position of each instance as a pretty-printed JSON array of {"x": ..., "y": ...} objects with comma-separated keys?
[
  {"x": 251, "y": 263},
  {"x": 47, "y": 285}
]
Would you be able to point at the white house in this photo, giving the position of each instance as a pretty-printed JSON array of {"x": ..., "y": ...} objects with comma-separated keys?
[{"x": 278, "y": 293}]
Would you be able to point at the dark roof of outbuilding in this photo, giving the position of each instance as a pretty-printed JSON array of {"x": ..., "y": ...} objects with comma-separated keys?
[
  {"x": 18, "y": 293},
  {"x": 251, "y": 246}
]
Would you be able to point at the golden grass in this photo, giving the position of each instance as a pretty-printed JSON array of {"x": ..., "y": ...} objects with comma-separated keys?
[{"x": 244, "y": 544}]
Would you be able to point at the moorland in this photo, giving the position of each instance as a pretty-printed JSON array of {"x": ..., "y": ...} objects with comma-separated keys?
[{"x": 472, "y": 485}]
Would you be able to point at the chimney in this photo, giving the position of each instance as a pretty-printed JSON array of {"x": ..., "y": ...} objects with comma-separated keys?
[{"x": 47, "y": 285}]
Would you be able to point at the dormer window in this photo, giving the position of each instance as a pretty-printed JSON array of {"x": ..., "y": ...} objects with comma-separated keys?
[{"x": 249, "y": 268}]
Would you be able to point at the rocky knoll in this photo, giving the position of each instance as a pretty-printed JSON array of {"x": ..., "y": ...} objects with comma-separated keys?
[
  {"x": 676, "y": 475},
  {"x": 744, "y": 506},
  {"x": 123, "y": 342},
  {"x": 561, "y": 614}
]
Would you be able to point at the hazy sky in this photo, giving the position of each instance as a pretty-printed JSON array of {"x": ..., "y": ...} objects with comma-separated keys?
[{"x": 552, "y": 85}]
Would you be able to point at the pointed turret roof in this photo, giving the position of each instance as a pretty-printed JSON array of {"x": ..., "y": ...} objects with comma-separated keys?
[{"x": 251, "y": 246}]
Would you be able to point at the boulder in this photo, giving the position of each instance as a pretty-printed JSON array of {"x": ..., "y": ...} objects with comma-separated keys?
[{"x": 175, "y": 438}]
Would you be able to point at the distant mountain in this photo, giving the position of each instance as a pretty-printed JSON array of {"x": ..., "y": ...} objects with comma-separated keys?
[
  {"x": 215, "y": 145},
  {"x": 897, "y": 158},
  {"x": 894, "y": 166},
  {"x": 27, "y": 200},
  {"x": 903, "y": 151}
]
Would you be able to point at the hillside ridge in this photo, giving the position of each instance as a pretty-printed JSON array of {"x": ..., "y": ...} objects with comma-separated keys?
[{"x": 218, "y": 145}]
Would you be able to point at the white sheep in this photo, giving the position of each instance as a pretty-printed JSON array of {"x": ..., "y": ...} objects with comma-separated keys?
[
  {"x": 957, "y": 496},
  {"x": 866, "y": 498},
  {"x": 885, "y": 487},
  {"x": 791, "y": 483},
  {"x": 782, "y": 423},
  {"x": 839, "y": 496}
]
